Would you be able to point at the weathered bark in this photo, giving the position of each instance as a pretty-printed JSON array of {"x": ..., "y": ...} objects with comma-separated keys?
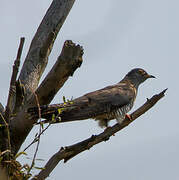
[
  {"x": 42, "y": 43},
  {"x": 68, "y": 61},
  {"x": 1, "y": 112},
  {"x": 3, "y": 174},
  {"x": 69, "y": 152}
]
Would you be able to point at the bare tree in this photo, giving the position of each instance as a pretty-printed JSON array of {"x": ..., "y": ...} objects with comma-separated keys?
[{"x": 25, "y": 92}]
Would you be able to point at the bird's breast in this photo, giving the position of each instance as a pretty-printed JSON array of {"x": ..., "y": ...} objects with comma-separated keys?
[{"x": 116, "y": 113}]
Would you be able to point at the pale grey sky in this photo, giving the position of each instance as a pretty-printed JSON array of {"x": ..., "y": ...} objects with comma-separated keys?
[{"x": 117, "y": 36}]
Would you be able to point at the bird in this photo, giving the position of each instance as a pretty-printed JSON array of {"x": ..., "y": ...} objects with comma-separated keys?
[{"x": 103, "y": 105}]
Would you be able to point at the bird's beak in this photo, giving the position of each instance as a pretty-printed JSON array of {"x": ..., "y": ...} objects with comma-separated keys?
[{"x": 150, "y": 76}]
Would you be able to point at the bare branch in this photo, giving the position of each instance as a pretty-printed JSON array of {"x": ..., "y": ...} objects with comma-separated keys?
[
  {"x": 42, "y": 43},
  {"x": 71, "y": 151},
  {"x": 37, "y": 137},
  {"x": 68, "y": 61},
  {"x": 12, "y": 89},
  {"x": 5, "y": 132},
  {"x": 38, "y": 141}
]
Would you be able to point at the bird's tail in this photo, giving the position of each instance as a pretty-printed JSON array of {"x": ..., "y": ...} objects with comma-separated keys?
[
  {"x": 53, "y": 113},
  {"x": 78, "y": 109}
]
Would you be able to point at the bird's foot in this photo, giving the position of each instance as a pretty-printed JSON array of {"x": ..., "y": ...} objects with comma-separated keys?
[{"x": 128, "y": 117}]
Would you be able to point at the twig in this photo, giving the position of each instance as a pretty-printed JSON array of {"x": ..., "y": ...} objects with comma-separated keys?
[
  {"x": 36, "y": 138},
  {"x": 38, "y": 141},
  {"x": 69, "y": 152}
]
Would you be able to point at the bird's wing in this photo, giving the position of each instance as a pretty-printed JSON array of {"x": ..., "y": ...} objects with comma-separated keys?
[{"x": 114, "y": 96}]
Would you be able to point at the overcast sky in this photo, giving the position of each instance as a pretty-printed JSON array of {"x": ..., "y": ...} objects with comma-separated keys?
[{"x": 116, "y": 36}]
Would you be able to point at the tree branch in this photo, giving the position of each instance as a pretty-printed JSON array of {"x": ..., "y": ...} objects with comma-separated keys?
[
  {"x": 69, "y": 152},
  {"x": 12, "y": 89},
  {"x": 5, "y": 116},
  {"x": 38, "y": 141},
  {"x": 42, "y": 43},
  {"x": 68, "y": 61}
]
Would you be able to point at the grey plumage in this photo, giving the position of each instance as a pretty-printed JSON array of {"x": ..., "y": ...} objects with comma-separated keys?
[{"x": 111, "y": 102}]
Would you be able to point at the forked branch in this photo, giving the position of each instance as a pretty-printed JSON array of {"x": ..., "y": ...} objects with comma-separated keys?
[{"x": 66, "y": 153}]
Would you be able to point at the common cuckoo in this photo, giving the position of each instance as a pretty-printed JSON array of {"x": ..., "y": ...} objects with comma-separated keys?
[{"x": 111, "y": 102}]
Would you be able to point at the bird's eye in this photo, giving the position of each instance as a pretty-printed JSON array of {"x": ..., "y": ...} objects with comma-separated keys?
[{"x": 142, "y": 72}]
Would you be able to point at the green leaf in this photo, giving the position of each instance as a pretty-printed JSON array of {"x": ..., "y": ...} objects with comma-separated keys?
[
  {"x": 59, "y": 111},
  {"x": 20, "y": 153},
  {"x": 42, "y": 125},
  {"x": 39, "y": 168},
  {"x": 64, "y": 99},
  {"x": 53, "y": 117}
]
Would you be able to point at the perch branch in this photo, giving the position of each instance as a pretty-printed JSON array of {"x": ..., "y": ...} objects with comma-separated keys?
[
  {"x": 68, "y": 61},
  {"x": 69, "y": 152}
]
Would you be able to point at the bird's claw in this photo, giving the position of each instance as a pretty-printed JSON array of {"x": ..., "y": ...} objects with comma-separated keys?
[{"x": 128, "y": 117}]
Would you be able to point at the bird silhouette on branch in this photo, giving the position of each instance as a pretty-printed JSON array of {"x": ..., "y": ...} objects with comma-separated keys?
[{"x": 111, "y": 102}]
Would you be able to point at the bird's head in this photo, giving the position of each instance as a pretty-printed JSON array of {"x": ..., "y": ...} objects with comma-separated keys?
[{"x": 138, "y": 76}]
